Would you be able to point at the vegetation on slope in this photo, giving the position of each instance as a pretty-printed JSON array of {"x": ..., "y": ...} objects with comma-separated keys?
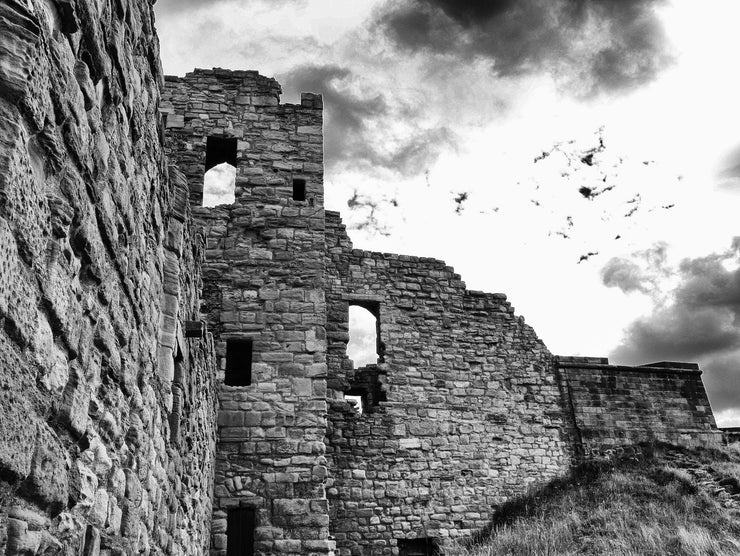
[{"x": 666, "y": 501}]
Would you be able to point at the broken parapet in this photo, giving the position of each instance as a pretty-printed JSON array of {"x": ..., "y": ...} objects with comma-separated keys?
[{"x": 215, "y": 116}]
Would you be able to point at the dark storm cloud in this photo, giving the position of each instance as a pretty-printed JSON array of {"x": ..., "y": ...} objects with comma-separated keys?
[
  {"x": 702, "y": 318},
  {"x": 722, "y": 381},
  {"x": 679, "y": 333},
  {"x": 596, "y": 45},
  {"x": 700, "y": 323},
  {"x": 353, "y": 117}
]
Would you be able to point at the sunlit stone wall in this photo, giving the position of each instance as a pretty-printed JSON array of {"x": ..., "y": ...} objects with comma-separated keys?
[{"x": 107, "y": 410}]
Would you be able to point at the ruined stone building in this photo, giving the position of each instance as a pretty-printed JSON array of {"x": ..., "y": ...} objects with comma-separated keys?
[{"x": 173, "y": 376}]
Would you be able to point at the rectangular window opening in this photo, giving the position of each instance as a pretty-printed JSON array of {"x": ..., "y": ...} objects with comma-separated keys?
[
  {"x": 238, "y": 362},
  {"x": 299, "y": 189},
  {"x": 364, "y": 326},
  {"x": 240, "y": 525},
  {"x": 417, "y": 547}
]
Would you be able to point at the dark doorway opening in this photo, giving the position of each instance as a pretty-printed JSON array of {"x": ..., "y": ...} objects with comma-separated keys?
[
  {"x": 418, "y": 547},
  {"x": 240, "y": 525}
]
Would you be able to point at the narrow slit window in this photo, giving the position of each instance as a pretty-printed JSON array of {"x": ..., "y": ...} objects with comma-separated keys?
[
  {"x": 219, "y": 181},
  {"x": 178, "y": 399},
  {"x": 299, "y": 189},
  {"x": 240, "y": 525},
  {"x": 238, "y": 363}
]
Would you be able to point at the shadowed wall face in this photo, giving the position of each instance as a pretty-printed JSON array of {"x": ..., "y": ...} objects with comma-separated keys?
[
  {"x": 107, "y": 411},
  {"x": 619, "y": 406}
]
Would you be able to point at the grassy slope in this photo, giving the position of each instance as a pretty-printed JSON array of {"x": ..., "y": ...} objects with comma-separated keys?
[{"x": 647, "y": 505}]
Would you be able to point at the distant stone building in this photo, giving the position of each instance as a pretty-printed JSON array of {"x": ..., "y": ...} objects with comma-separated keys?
[{"x": 175, "y": 377}]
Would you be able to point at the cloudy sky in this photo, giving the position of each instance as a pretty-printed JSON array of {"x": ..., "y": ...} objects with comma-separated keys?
[{"x": 581, "y": 156}]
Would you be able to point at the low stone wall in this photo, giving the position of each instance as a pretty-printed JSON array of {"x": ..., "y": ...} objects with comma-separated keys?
[
  {"x": 107, "y": 412},
  {"x": 616, "y": 406}
]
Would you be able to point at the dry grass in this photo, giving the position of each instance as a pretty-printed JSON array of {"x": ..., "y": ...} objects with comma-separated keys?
[{"x": 632, "y": 508}]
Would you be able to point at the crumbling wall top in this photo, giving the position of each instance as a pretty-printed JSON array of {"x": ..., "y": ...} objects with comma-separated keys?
[{"x": 264, "y": 90}]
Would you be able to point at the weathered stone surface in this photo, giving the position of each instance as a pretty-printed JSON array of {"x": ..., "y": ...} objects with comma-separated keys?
[
  {"x": 264, "y": 282},
  {"x": 46, "y": 483},
  {"x": 617, "y": 406},
  {"x": 112, "y": 279},
  {"x": 88, "y": 210}
]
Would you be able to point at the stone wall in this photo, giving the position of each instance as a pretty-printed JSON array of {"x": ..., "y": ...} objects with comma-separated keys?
[
  {"x": 107, "y": 412},
  {"x": 472, "y": 412},
  {"x": 264, "y": 275},
  {"x": 615, "y": 406},
  {"x": 110, "y": 384}
]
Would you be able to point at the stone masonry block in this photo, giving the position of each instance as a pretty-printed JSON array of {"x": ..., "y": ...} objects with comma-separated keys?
[
  {"x": 47, "y": 480},
  {"x": 17, "y": 434}
]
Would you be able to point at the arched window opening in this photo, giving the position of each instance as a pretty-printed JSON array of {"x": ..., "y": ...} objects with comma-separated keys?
[
  {"x": 218, "y": 185},
  {"x": 364, "y": 336},
  {"x": 219, "y": 181}
]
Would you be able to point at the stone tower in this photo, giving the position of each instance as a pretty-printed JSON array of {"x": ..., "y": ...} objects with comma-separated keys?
[{"x": 264, "y": 299}]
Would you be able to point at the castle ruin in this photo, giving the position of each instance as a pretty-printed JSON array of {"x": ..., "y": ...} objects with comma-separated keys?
[{"x": 175, "y": 377}]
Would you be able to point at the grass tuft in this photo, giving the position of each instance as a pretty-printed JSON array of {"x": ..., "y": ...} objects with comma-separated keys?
[{"x": 650, "y": 505}]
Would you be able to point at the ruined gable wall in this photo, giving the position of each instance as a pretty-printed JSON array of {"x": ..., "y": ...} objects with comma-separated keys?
[
  {"x": 473, "y": 411},
  {"x": 98, "y": 271},
  {"x": 264, "y": 276},
  {"x": 616, "y": 406}
]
